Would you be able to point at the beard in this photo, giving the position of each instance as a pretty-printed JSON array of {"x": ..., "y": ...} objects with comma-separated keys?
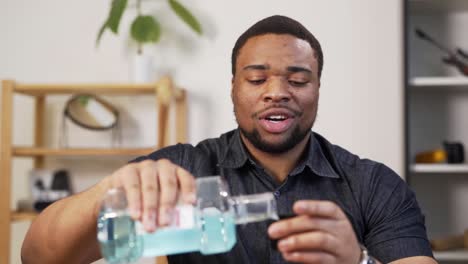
[
  {"x": 296, "y": 136},
  {"x": 289, "y": 142}
]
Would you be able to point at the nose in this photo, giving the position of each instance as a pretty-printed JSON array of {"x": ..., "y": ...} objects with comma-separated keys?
[{"x": 277, "y": 90}]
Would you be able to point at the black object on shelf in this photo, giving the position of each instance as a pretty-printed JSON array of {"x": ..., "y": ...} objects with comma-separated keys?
[
  {"x": 39, "y": 184},
  {"x": 41, "y": 205},
  {"x": 49, "y": 186},
  {"x": 61, "y": 181},
  {"x": 455, "y": 152}
]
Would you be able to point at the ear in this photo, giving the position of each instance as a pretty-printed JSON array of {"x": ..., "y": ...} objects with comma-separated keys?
[{"x": 232, "y": 88}]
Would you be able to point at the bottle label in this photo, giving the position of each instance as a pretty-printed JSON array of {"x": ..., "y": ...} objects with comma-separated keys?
[{"x": 182, "y": 217}]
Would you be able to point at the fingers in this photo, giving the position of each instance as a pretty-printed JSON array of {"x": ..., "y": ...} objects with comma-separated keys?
[
  {"x": 320, "y": 241},
  {"x": 306, "y": 233},
  {"x": 320, "y": 233},
  {"x": 312, "y": 215},
  {"x": 320, "y": 247},
  {"x": 316, "y": 208},
  {"x": 150, "y": 190},
  {"x": 310, "y": 247},
  {"x": 299, "y": 224},
  {"x": 128, "y": 176},
  {"x": 187, "y": 185},
  {"x": 309, "y": 257},
  {"x": 168, "y": 186},
  {"x": 173, "y": 178},
  {"x": 153, "y": 189}
]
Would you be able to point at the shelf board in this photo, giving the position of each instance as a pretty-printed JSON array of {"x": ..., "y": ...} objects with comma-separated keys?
[
  {"x": 455, "y": 255},
  {"x": 439, "y": 168},
  {"x": 439, "y": 82},
  {"x": 23, "y": 216},
  {"x": 33, "y": 152},
  {"x": 98, "y": 88},
  {"x": 46, "y": 89},
  {"x": 437, "y": 6}
]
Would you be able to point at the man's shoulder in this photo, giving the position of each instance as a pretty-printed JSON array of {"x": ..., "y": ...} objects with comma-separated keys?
[
  {"x": 351, "y": 165},
  {"x": 341, "y": 155},
  {"x": 218, "y": 144},
  {"x": 207, "y": 152},
  {"x": 206, "y": 146}
]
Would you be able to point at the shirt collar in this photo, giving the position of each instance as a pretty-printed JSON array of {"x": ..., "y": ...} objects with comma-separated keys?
[
  {"x": 316, "y": 160},
  {"x": 236, "y": 156}
]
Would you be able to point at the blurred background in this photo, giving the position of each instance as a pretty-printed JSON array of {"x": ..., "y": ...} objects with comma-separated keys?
[{"x": 385, "y": 93}]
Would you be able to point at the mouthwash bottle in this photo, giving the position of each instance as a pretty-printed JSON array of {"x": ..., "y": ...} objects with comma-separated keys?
[{"x": 207, "y": 227}]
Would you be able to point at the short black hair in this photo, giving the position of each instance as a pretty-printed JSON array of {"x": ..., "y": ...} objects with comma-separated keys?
[{"x": 278, "y": 25}]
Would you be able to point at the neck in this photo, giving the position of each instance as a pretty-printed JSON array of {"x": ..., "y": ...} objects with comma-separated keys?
[{"x": 278, "y": 165}]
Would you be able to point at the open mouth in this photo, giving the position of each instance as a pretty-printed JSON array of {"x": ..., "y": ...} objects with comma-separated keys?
[
  {"x": 276, "y": 121},
  {"x": 276, "y": 118}
]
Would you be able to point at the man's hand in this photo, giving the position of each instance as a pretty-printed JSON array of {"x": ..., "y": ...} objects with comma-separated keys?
[
  {"x": 320, "y": 233},
  {"x": 153, "y": 189}
]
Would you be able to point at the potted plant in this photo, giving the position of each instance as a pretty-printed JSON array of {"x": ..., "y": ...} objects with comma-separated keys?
[{"x": 145, "y": 28}]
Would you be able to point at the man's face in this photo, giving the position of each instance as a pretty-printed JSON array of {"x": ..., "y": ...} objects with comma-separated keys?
[{"x": 275, "y": 91}]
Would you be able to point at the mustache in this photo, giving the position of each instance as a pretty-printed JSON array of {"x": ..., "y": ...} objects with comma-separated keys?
[{"x": 276, "y": 106}]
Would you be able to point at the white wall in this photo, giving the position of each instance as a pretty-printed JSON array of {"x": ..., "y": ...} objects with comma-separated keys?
[{"x": 361, "y": 104}]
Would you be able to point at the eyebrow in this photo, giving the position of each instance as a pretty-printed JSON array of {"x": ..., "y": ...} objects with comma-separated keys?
[
  {"x": 256, "y": 67},
  {"x": 266, "y": 67},
  {"x": 298, "y": 69}
]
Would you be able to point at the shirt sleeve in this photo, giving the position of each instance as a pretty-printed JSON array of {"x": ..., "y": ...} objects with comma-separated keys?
[{"x": 394, "y": 221}]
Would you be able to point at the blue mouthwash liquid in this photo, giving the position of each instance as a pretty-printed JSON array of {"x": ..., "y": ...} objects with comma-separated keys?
[
  {"x": 123, "y": 241},
  {"x": 118, "y": 239},
  {"x": 218, "y": 231}
]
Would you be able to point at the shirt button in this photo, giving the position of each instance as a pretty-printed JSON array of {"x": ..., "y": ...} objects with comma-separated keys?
[{"x": 276, "y": 193}]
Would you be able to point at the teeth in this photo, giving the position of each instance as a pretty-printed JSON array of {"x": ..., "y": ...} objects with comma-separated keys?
[{"x": 277, "y": 117}]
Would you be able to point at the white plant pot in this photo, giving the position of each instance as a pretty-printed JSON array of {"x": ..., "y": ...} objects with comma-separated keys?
[{"x": 142, "y": 69}]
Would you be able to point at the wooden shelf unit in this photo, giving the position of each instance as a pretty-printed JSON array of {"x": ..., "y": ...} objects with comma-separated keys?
[
  {"x": 164, "y": 92},
  {"x": 437, "y": 6},
  {"x": 51, "y": 89},
  {"x": 440, "y": 82},
  {"x": 454, "y": 255},
  {"x": 440, "y": 168},
  {"x": 23, "y": 216},
  {"x": 38, "y": 152},
  {"x": 436, "y": 100}
]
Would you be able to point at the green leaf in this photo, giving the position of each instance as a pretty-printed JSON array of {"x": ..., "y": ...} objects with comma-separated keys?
[
  {"x": 83, "y": 100},
  {"x": 145, "y": 29},
  {"x": 113, "y": 20},
  {"x": 186, "y": 16},
  {"x": 117, "y": 9},
  {"x": 101, "y": 30}
]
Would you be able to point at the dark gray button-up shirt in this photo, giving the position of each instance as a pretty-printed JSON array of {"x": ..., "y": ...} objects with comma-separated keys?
[{"x": 382, "y": 209}]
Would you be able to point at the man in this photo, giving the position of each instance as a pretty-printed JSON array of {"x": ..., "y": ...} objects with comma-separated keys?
[{"x": 338, "y": 202}]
